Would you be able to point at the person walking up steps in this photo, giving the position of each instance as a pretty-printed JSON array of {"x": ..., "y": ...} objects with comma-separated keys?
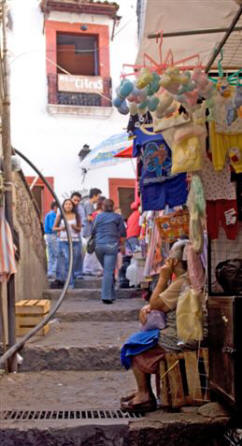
[{"x": 109, "y": 231}]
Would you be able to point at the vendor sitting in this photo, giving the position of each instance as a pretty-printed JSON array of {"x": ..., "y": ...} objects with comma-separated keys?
[{"x": 164, "y": 298}]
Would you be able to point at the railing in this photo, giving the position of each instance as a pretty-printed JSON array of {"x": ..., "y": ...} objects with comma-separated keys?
[{"x": 80, "y": 99}]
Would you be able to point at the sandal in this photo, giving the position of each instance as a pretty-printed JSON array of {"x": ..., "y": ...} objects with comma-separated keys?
[
  {"x": 148, "y": 406},
  {"x": 124, "y": 399}
]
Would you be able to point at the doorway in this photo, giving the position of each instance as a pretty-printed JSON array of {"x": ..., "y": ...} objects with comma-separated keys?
[
  {"x": 126, "y": 197},
  {"x": 122, "y": 192}
]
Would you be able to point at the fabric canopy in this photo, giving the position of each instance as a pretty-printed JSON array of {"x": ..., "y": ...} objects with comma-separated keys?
[{"x": 190, "y": 15}]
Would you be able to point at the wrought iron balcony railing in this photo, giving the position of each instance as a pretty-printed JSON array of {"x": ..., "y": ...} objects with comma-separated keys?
[{"x": 93, "y": 91}]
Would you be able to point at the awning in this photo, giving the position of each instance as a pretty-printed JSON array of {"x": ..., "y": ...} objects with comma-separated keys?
[{"x": 189, "y": 15}]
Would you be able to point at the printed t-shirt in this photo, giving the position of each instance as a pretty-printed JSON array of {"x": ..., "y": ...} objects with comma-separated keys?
[{"x": 158, "y": 185}]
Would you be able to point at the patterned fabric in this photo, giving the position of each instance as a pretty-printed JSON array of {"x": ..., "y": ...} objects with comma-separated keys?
[{"x": 217, "y": 185}]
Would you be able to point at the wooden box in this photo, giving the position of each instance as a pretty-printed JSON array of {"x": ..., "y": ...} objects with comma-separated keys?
[{"x": 29, "y": 313}]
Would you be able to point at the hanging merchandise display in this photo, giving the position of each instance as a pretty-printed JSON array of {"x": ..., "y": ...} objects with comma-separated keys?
[
  {"x": 187, "y": 149},
  {"x": 187, "y": 139},
  {"x": 189, "y": 318},
  {"x": 174, "y": 225},
  {"x": 196, "y": 206},
  {"x": 159, "y": 187}
]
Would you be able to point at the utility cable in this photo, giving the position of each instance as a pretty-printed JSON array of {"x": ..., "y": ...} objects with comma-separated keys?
[{"x": 16, "y": 347}]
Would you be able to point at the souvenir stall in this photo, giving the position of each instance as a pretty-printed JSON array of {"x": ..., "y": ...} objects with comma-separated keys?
[{"x": 187, "y": 137}]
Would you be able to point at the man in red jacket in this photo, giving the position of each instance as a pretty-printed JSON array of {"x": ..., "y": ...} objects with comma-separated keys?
[{"x": 133, "y": 228}]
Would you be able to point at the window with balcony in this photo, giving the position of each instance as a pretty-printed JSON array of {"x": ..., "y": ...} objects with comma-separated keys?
[
  {"x": 78, "y": 70},
  {"x": 78, "y": 67}
]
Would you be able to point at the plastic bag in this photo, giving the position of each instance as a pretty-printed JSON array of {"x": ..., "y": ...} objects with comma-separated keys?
[
  {"x": 155, "y": 319},
  {"x": 135, "y": 273},
  {"x": 189, "y": 320}
]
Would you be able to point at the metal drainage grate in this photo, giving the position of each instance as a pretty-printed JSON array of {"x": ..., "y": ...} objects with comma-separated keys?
[{"x": 42, "y": 415}]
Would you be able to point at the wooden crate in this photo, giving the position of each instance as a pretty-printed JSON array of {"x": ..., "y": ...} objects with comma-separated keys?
[
  {"x": 184, "y": 378},
  {"x": 29, "y": 313}
]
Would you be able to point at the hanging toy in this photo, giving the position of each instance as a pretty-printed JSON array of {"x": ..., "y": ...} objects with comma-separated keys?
[
  {"x": 204, "y": 85},
  {"x": 133, "y": 109},
  {"x": 224, "y": 89},
  {"x": 145, "y": 77},
  {"x": 125, "y": 88},
  {"x": 123, "y": 109},
  {"x": 172, "y": 78},
  {"x": 231, "y": 113},
  {"x": 134, "y": 96},
  {"x": 153, "y": 102},
  {"x": 154, "y": 85},
  {"x": 191, "y": 97},
  {"x": 117, "y": 102},
  {"x": 165, "y": 102},
  {"x": 123, "y": 91},
  {"x": 142, "y": 95},
  {"x": 238, "y": 96}
]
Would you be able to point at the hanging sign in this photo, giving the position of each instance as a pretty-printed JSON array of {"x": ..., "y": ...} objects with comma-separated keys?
[{"x": 80, "y": 84}]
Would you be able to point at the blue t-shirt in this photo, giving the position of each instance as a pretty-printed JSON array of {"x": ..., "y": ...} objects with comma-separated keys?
[
  {"x": 49, "y": 222},
  {"x": 108, "y": 228}
]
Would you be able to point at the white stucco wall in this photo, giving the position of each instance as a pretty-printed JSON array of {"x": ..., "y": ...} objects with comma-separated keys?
[{"x": 53, "y": 142}]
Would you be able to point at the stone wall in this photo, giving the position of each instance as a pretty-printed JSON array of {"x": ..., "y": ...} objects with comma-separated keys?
[{"x": 31, "y": 267}]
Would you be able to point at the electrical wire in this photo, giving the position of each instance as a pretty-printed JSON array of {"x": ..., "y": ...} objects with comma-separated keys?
[{"x": 16, "y": 347}]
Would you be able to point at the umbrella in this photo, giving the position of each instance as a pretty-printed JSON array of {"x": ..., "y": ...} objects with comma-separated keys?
[
  {"x": 126, "y": 153},
  {"x": 104, "y": 154}
]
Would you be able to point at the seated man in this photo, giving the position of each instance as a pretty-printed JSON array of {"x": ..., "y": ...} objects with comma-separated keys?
[{"x": 164, "y": 298}]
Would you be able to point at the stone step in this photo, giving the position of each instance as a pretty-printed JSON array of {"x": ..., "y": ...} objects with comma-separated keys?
[
  {"x": 90, "y": 282},
  {"x": 89, "y": 345},
  {"x": 92, "y": 310},
  {"x": 87, "y": 282},
  {"x": 91, "y": 293},
  {"x": 98, "y": 391}
]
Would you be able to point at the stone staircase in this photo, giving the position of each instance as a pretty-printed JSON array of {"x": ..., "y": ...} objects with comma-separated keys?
[{"x": 74, "y": 371}]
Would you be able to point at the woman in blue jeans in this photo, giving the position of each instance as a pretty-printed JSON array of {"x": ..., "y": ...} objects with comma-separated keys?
[
  {"x": 74, "y": 223},
  {"x": 109, "y": 232}
]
